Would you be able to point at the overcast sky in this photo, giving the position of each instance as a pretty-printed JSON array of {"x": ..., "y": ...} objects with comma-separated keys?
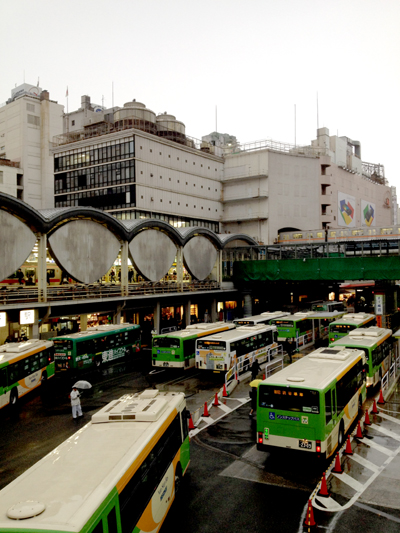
[{"x": 253, "y": 61}]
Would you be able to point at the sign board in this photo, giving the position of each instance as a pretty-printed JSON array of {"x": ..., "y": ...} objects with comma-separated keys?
[
  {"x": 3, "y": 320},
  {"x": 27, "y": 316}
]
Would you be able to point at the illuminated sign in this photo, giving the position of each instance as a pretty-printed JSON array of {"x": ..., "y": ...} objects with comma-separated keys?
[
  {"x": 3, "y": 320},
  {"x": 27, "y": 317}
]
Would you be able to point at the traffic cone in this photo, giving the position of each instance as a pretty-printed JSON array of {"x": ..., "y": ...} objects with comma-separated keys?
[
  {"x": 381, "y": 400},
  {"x": 236, "y": 377},
  {"x": 191, "y": 425},
  {"x": 309, "y": 521},
  {"x": 367, "y": 421},
  {"x": 374, "y": 409},
  {"x": 216, "y": 400},
  {"x": 338, "y": 467},
  {"x": 359, "y": 434},
  {"x": 348, "y": 450},
  {"x": 263, "y": 376},
  {"x": 206, "y": 413},
  {"x": 224, "y": 394},
  {"x": 323, "y": 491}
]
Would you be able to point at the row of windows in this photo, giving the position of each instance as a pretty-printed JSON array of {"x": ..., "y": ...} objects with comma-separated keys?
[
  {"x": 23, "y": 368},
  {"x": 95, "y": 155},
  {"x": 169, "y": 155},
  {"x": 178, "y": 181},
  {"x": 78, "y": 180},
  {"x": 111, "y": 198},
  {"x": 175, "y": 221},
  {"x": 187, "y": 205}
]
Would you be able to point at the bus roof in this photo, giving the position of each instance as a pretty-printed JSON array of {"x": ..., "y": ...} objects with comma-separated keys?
[
  {"x": 98, "y": 330},
  {"x": 317, "y": 369},
  {"x": 18, "y": 350},
  {"x": 298, "y": 316},
  {"x": 194, "y": 330},
  {"x": 262, "y": 316},
  {"x": 367, "y": 337},
  {"x": 74, "y": 479},
  {"x": 239, "y": 333},
  {"x": 354, "y": 318},
  {"x": 327, "y": 314}
]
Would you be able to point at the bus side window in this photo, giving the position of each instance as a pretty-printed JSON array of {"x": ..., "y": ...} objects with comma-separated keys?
[
  {"x": 98, "y": 528},
  {"x": 34, "y": 362},
  {"x": 328, "y": 407},
  {"x": 112, "y": 521},
  {"x": 3, "y": 377},
  {"x": 334, "y": 408}
]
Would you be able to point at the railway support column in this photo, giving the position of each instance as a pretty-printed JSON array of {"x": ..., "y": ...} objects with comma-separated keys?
[
  {"x": 41, "y": 269},
  {"x": 157, "y": 317},
  {"x": 186, "y": 312},
  {"x": 179, "y": 268},
  {"x": 214, "y": 314},
  {"x": 83, "y": 319}
]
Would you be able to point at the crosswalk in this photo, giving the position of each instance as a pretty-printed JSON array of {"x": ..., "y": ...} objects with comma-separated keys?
[
  {"x": 225, "y": 406},
  {"x": 375, "y": 461}
]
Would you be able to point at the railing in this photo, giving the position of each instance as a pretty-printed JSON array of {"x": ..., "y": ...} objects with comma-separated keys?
[
  {"x": 243, "y": 363},
  {"x": 21, "y": 294}
]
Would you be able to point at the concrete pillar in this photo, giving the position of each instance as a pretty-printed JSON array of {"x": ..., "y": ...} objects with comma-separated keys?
[
  {"x": 33, "y": 329},
  {"x": 214, "y": 315},
  {"x": 124, "y": 268},
  {"x": 157, "y": 317},
  {"x": 83, "y": 322},
  {"x": 186, "y": 311},
  {"x": 179, "y": 268},
  {"x": 41, "y": 268},
  {"x": 248, "y": 305}
]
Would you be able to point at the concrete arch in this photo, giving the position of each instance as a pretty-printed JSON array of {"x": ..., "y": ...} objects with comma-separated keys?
[
  {"x": 200, "y": 247},
  {"x": 153, "y": 253}
]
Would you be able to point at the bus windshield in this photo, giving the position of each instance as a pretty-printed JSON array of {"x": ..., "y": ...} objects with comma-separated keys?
[
  {"x": 211, "y": 345},
  {"x": 166, "y": 342},
  {"x": 288, "y": 323},
  {"x": 341, "y": 328},
  {"x": 289, "y": 399},
  {"x": 63, "y": 344}
]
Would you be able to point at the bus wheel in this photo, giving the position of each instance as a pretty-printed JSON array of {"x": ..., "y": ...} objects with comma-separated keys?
[
  {"x": 341, "y": 435},
  {"x": 178, "y": 478},
  {"x": 14, "y": 397}
]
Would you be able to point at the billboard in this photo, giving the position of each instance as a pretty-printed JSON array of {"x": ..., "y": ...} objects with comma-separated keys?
[
  {"x": 346, "y": 210},
  {"x": 367, "y": 213}
]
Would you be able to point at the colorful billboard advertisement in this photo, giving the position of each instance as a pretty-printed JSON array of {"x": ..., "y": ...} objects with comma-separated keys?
[
  {"x": 367, "y": 213},
  {"x": 346, "y": 210}
]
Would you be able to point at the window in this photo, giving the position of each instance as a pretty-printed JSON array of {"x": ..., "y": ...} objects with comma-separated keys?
[
  {"x": 30, "y": 107},
  {"x": 35, "y": 121},
  {"x": 1, "y": 176},
  {"x": 73, "y": 122}
]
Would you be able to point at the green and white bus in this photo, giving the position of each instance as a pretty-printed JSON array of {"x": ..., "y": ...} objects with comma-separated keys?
[
  {"x": 23, "y": 367},
  {"x": 118, "y": 474},
  {"x": 329, "y": 306},
  {"x": 296, "y": 328},
  {"x": 263, "y": 318},
  {"x": 341, "y": 327},
  {"x": 311, "y": 404},
  {"x": 238, "y": 347},
  {"x": 96, "y": 346},
  {"x": 378, "y": 346},
  {"x": 177, "y": 349}
]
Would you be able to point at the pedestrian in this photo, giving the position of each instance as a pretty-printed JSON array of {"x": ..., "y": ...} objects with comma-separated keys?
[
  {"x": 20, "y": 276},
  {"x": 255, "y": 369},
  {"x": 75, "y": 403},
  {"x": 253, "y": 396}
]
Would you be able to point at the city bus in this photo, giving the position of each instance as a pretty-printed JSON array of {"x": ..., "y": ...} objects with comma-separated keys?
[
  {"x": 328, "y": 306},
  {"x": 296, "y": 328},
  {"x": 310, "y": 404},
  {"x": 342, "y": 326},
  {"x": 263, "y": 318},
  {"x": 23, "y": 367},
  {"x": 377, "y": 344},
  {"x": 119, "y": 473},
  {"x": 240, "y": 346},
  {"x": 96, "y": 346},
  {"x": 177, "y": 349}
]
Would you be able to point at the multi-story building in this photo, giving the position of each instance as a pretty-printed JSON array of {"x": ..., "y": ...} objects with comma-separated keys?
[{"x": 28, "y": 122}]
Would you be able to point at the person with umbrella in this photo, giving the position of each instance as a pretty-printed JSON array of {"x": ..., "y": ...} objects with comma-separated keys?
[{"x": 75, "y": 403}]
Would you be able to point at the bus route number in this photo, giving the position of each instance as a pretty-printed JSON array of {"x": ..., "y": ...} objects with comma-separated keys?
[{"x": 305, "y": 444}]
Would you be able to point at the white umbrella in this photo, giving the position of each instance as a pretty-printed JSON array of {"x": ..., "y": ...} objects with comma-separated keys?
[{"x": 82, "y": 385}]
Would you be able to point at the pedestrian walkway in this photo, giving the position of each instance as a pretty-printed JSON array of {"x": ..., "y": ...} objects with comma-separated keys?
[{"x": 367, "y": 468}]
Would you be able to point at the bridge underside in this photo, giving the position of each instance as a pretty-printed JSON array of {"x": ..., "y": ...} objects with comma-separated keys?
[{"x": 319, "y": 269}]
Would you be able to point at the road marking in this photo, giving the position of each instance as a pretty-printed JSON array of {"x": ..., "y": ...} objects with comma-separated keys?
[
  {"x": 353, "y": 483},
  {"x": 364, "y": 462},
  {"x": 388, "y": 417},
  {"x": 376, "y": 446},
  {"x": 379, "y": 513},
  {"x": 385, "y": 431}
]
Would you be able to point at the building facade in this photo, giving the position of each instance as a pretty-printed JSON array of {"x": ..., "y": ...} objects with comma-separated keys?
[{"x": 28, "y": 122}]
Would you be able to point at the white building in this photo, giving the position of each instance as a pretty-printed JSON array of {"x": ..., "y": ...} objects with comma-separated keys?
[{"x": 28, "y": 122}]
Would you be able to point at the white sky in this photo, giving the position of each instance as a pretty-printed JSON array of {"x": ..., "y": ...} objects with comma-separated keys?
[{"x": 255, "y": 60}]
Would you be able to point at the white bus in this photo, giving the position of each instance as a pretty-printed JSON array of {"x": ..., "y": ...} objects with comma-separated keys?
[
  {"x": 263, "y": 318},
  {"x": 119, "y": 473},
  {"x": 342, "y": 326},
  {"x": 240, "y": 346}
]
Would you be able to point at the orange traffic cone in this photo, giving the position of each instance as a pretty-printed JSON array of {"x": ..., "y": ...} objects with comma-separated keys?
[
  {"x": 216, "y": 400},
  {"x": 359, "y": 434},
  {"x": 338, "y": 467},
  {"x": 224, "y": 394},
  {"x": 374, "y": 409},
  {"x": 263, "y": 376},
  {"x": 206, "y": 413},
  {"x": 348, "y": 450},
  {"x": 236, "y": 377},
  {"x": 323, "y": 491},
  {"x": 367, "y": 421},
  {"x": 309, "y": 521},
  {"x": 191, "y": 425},
  {"x": 381, "y": 400}
]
